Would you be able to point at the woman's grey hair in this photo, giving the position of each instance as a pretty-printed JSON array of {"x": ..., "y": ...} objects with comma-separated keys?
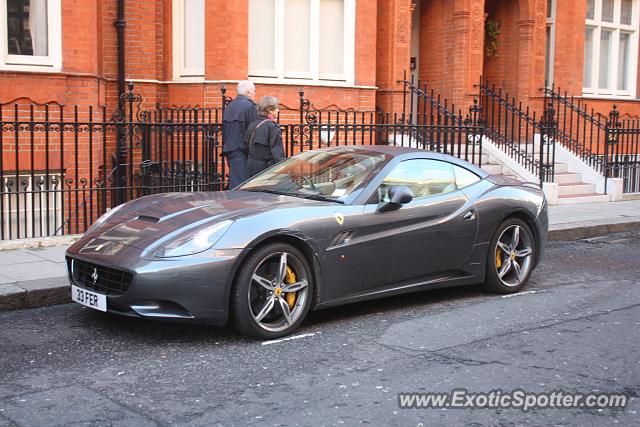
[
  {"x": 245, "y": 86},
  {"x": 267, "y": 105}
]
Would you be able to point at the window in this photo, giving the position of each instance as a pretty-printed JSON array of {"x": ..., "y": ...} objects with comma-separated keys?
[
  {"x": 30, "y": 36},
  {"x": 551, "y": 40},
  {"x": 610, "y": 41},
  {"x": 422, "y": 176},
  {"x": 310, "y": 40},
  {"x": 464, "y": 178},
  {"x": 188, "y": 38}
]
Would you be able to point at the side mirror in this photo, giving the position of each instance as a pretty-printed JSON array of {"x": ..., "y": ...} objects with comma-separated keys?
[{"x": 398, "y": 195}]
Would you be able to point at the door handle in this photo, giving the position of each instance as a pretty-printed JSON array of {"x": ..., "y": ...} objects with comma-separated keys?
[{"x": 470, "y": 215}]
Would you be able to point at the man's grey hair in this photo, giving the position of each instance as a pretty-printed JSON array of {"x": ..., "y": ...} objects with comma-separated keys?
[
  {"x": 267, "y": 105},
  {"x": 245, "y": 86}
]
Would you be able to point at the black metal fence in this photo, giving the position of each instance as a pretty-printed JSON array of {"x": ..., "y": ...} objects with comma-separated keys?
[
  {"x": 516, "y": 130},
  {"x": 61, "y": 167},
  {"x": 609, "y": 144}
]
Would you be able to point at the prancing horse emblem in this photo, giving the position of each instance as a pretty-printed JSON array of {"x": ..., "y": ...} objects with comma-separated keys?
[
  {"x": 339, "y": 218},
  {"x": 94, "y": 275}
]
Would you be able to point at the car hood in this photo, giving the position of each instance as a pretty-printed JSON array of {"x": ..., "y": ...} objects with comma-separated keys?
[{"x": 144, "y": 221}]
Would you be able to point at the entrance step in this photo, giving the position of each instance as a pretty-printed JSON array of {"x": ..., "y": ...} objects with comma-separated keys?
[
  {"x": 573, "y": 199},
  {"x": 567, "y": 177},
  {"x": 576, "y": 188}
]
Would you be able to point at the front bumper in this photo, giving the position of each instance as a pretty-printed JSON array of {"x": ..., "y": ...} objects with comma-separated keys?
[{"x": 185, "y": 289}]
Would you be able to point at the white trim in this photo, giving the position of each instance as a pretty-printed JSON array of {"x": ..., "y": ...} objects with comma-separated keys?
[
  {"x": 597, "y": 25},
  {"x": 262, "y": 81},
  {"x": 313, "y": 76},
  {"x": 551, "y": 23},
  {"x": 179, "y": 70},
  {"x": 47, "y": 64}
]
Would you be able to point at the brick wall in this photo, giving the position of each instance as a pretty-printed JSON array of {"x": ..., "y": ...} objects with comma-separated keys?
[{"x": 450, "y": 56}]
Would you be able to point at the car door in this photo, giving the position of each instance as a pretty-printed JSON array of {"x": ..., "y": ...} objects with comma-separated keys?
[{"x": 429, "y": 237}]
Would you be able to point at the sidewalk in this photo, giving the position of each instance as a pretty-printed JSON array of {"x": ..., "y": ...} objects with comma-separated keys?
[{"x": 33, "y": 277}]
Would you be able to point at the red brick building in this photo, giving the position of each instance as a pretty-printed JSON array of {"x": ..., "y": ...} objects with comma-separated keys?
[{"x": 349, "y": 53}]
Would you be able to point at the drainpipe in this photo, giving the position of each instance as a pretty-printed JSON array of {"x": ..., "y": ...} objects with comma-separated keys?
[
  {"x": 120, "y": 24},
  {"x": 121, "y": 150}
]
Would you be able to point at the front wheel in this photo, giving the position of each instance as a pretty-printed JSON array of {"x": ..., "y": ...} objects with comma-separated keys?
[
  {"x": 512, "y": 255},
  {"x": 272, "y": 292}
]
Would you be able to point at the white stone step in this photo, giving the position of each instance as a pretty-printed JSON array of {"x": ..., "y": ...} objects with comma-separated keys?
[
  {"x": 567, "y": 177},
  {"x": 561, "y": 168},
  {"x": 576, "y": 188},
  {"x": 492, "y": 168},
  {"x": 583, "y": 198}
]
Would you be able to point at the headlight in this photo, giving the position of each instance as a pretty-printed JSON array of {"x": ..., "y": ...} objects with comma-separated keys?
[
  {"x": 193, "y": 243},
  {"x": 111, "y": 212}
]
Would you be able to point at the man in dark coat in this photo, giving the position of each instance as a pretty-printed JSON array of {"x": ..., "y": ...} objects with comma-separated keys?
[{"x": 236, "y": 119}]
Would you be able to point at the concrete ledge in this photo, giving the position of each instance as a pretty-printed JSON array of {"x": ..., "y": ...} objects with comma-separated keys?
[
  {"x": 577, "y": 231},
  {"x": 35, "y": 293}
]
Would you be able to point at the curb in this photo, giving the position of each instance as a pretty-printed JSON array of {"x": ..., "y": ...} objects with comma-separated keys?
[
  {"x": 592, "y": 230},
  {"x": 34, "y": 293},
  {"x": 45, "y": 292}
]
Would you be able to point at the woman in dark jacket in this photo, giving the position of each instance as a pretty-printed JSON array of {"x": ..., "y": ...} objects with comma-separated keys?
[{"x": 263, "y": 140}]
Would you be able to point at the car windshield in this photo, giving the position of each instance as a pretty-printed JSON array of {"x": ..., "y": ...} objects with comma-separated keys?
[{"x": 322, "y": 174}]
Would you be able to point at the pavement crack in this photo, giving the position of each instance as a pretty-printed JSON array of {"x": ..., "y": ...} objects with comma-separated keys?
[{"x": 124, "y": 405}]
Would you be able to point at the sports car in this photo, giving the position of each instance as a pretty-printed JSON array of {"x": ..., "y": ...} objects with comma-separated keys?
[{"x": 322, "y": 228}]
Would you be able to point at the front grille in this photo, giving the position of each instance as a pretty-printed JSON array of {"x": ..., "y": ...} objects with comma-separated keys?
[{"x": 109, "y": 281}]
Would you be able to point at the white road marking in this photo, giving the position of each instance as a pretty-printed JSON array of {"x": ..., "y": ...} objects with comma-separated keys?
[
  {"x": 293, "y": 337},
  {"x": 523, "y": 293}
]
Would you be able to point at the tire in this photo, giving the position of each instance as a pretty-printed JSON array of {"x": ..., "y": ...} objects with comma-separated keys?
[
  {"x": 509, "y": 268},
  {"x": 261, "y": 307}
]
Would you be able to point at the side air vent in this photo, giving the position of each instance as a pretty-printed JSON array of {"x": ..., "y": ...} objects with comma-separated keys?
[{"x": 342, "y": 238}]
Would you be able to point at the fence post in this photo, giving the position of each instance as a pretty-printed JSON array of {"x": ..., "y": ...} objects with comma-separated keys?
[
  {"x": 612, "y": 136},
  {"x": 548, "y": 130}
]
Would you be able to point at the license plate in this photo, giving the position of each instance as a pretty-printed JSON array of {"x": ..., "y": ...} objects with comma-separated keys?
[{"x": 88, "y": 298}]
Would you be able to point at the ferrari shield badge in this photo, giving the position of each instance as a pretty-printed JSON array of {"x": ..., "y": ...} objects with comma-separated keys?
[{"x": 339, "y": 218}]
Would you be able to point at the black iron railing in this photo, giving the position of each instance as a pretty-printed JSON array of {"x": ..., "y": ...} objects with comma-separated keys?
[
  {"x": 608, "y": 144},
  {"x": 520, "y": 133}
]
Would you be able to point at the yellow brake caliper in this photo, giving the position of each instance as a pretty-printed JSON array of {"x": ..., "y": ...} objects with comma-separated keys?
[
  {"x": 290, "y": 278},
  {"x": 498, "y": 257}
]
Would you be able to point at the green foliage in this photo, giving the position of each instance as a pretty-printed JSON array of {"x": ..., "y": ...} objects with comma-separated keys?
[{"x": 491, "y": 33}]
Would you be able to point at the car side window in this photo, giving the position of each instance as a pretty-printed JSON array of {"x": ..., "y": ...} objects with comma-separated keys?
[
  {"x": 464, "y": 177},
  {"x": 424, "y": 177}
]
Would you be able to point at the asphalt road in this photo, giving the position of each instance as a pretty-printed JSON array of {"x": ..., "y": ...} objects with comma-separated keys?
[{"x": 577, "y": 329}]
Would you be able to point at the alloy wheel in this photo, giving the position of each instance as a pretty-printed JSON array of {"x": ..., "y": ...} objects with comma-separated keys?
[
  {"x": 278, "y": 291},
  {"x": 513, "y": 255}
]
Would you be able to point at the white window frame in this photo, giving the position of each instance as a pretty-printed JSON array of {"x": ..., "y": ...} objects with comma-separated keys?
[
  {"x": 49, "y": 63},
  {"x": 180, "y": 72},
  {"x": 551, "y": 24},
  {"x": 278, "y": 75},
  {"x": 597, "y": 25}
]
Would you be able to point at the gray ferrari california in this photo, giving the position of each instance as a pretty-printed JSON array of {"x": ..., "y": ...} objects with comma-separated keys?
[{"x": 322, "y": 228}]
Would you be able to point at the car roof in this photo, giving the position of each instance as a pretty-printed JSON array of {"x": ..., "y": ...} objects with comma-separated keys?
[{"x": 404, "y": 153}]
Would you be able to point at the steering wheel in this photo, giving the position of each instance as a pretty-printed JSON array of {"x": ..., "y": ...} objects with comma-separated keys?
[{"x": 306, "y": 179}]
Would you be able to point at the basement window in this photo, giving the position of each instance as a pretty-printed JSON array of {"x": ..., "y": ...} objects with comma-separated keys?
[{"x": 31, "y": 205}]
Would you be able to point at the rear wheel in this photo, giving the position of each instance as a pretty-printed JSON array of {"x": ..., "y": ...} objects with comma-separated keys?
[
  {"x": 511, "y": 257},
  {"x": 273, "y": 291}
]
